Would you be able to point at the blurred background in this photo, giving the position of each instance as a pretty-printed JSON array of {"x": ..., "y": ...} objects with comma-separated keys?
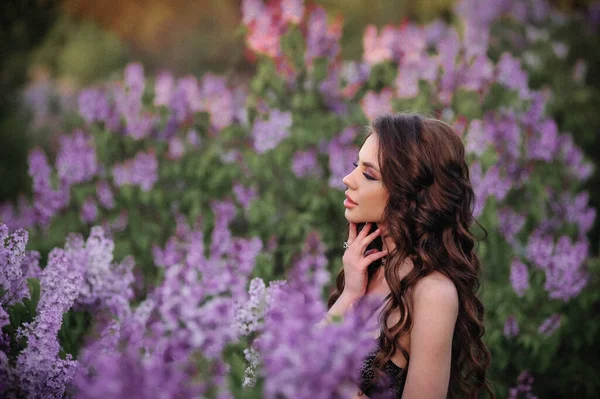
[{"x": 50, "y": 48}]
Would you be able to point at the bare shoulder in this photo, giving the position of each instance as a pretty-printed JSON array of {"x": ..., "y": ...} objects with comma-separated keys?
[{"x": 436, "y": 292}]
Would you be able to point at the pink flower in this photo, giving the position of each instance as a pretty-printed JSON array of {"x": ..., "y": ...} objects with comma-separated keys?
[{"x": 377, "y": 104}]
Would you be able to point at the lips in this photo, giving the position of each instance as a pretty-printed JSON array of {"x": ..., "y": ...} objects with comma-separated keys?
[{"x": 350, "y": 200}]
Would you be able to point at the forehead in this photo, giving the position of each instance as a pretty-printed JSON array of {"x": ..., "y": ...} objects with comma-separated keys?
[{"x": 369, "y": 150}]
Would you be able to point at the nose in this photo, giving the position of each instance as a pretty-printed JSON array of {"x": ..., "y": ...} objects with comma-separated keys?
[{"x": 348, "y": 180}]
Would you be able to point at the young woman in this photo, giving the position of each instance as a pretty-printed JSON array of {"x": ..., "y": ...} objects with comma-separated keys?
[{"x": 412, "y": 181}]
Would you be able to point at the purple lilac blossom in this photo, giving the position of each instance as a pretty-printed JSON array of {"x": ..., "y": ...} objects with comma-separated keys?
[
  {"x": 244, "y": 195},
  {"x": 141, "y": 125},
  {"x": 492, "y": 184},
  {"x": 510, "y": 224},
  {"x": 544, "y": 143},
  {"x": 221, "y": 236},
  {"x": 105, "y": 195},
  {"x": 193, "y": 138},
  {"x": 269, "y": 133},
  {"x": 163, "y": 88},
  {"x": 76, "y": 159},
  {"x": 180, "y": 101},
  {"x": 524, "y": 387},
  {"x": 141, "y": 171},
  {"x": 305, "y": 163},
  {"x": 301, "y": 360},
  {"x": 14, "y": 264},
  {"x": 540, "y": 248},
  {"x": 19, "y": 288},
  {"x": 322, "y": 40},
  {"x": 505, "y": 131},
  {"x": 577, "y": 211},
  {"x": 47, "y": 201},
  {"x": 448, "y": 49},
  {"x": 309, "y": 274},
  {"x": 478, "y": 139},
  {"x": 510, "y": 74},
  {"x": 93, "y": 105},
  {"x": 566, "y": 276},
  {"x": 550, "y": 325},
  {"x": 110, "y": 364},
  {"x": 134, "y": 78},
  {"x": 377, "y": 104},
  {"x": 573, "y": 158},
  {"x": 89, "y": 210},
  {"x": 197, "y": 301},
  {"x": 107, "y": 284},
  {"x": 519, "y": 277},
  {"x": 511, "y": 327},
  {"x": 218, "y": 100},
  {"x": 39, "y": 371},
  {"x": 21, "y": 215},
  {"x": 478, "y": 74},
  {"x": 332, "y": 95},
  {"x": 176, "y": 148}
]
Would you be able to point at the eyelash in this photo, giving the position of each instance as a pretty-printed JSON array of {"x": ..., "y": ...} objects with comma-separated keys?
[{"x": 369, "y": 177}]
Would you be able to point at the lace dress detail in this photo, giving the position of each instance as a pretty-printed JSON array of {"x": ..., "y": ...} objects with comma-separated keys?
[{"x": 380, "y": 388}]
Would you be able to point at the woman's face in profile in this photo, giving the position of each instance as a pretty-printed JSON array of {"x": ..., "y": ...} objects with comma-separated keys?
[{"x": 366, "y": 197}]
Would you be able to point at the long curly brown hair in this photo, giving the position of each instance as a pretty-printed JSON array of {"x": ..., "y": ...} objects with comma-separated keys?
[{"x": 429, "y": 216}]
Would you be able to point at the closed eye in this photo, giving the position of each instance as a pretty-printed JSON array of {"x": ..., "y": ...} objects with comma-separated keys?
[{"x": 369, "y": 177}]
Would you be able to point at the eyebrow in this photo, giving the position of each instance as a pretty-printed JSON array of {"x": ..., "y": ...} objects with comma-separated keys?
[{"x": 370, "y": 165}]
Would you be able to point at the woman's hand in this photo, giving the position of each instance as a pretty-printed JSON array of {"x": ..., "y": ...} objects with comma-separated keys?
[{"x": 356, "y": 261}]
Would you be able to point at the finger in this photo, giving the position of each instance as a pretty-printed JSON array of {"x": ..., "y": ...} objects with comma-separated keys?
[
  {"x": 367, "y": 240},
  {"x": 371, "y": 251},
  {"x": 351, "y": 232},
  {"x": 373, "y": 257},
  {"x": 365, "y": 230}
]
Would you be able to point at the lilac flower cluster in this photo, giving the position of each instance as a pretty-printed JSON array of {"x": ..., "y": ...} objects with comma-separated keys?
[
  {"x": 300, "y": 360},
  {"x": 141, "y": 171},
  {"x": 39, "y": 371},
  {"x": 126, "y": 352},
  {"x": 105, "y": 195},
  {"x": 563, "y": 264},
  {"x": 244, "y": 195},
  {"x": 107, "y": 284},
  {"x": 46, "y": 200},
  {"x": 377, "y": 104},
  {"x": 511, "y": 327},
  {"x": 190, "y": 317},
  {"x": 550, "y": 325},
  {"x": 322, "y": 40},
  {"x": 16, "y": 266},
  {"x": 574, "y": 210},
  {"x": 523, "y": 390},
  {"x": 305, "y": 163},
  {"x": 510, "y": 224},
  {"x": 519, "y": 277},
  {"x": 267, "y": 134},
  {"x": 309, "y": 274}
]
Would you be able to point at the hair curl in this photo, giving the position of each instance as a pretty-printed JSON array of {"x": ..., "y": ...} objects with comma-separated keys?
[{"x": 429, "y": 216}]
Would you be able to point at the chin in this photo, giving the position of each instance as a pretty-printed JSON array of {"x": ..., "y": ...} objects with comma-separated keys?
[{"x": 353, "y": 218}]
